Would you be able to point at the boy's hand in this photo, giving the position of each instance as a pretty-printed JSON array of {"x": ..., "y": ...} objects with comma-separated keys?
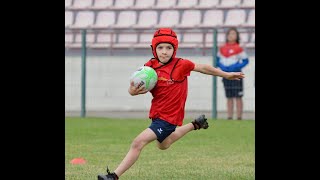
[
  {"x": 133, "y": 90},
  {"x": 235, "y": 76}
]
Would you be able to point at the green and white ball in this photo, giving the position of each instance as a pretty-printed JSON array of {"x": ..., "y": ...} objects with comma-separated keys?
[{"x": 146, "y": 75}]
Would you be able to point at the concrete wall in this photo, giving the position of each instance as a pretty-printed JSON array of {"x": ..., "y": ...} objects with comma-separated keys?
[{"x": 108, "y": 81}]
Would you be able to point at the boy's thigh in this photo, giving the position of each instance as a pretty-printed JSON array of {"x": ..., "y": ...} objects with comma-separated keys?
[{"x": 162, "y": 129}]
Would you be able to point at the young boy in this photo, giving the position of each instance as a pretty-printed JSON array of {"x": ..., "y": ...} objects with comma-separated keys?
[{"x": 169, "y": 97}]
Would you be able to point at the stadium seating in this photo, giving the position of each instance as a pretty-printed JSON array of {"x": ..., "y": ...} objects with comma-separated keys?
[
  {"x": 81, "y": 4},
  {"x": 90, "y": 38},
  {"x": 221, "y": 38},
  {"x": 147, "y": 19},
  {"x": 165, "y": 4},
  {"x": 168, "y": 18},
  {"x": 68, "y": 38},
  {"x": 229, "y": 3},
  {"x": 251, "y": 19},
  {"x": 125, "y": 20},
  {"x": 102, "y": 4},
  {"x": 67, "y": 3},
  {"x": 123, "y": 4},
  {"x": 83, "y": 19},
  {"x": 251, "y": 44},
  {"x": 190, "y": 19},
  {"x": 212, "y": 18},
  {"x": 145, "y": 40},
  {"x": 186, "y": 4},
  {"x": 104, "y": 19},
  {"x": 191, "y": 40},
  {"x": 235, "y": 17},
  {"x": 248, "y": 4},
  {"x": 130, "y": 23},
  {"x": 207, "y": 4},
  {"x": 126, "y": 40},
  {"x": 103, "y": 40},
  {"x": 68, "y": 18},
  {"x": 144, "y": 4}
]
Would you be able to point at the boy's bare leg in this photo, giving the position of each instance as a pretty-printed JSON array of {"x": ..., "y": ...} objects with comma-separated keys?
[
  {"x": 200, "y": 122},
  {"x": 173, "y": 137},
  {"x": 137, "y": 145}
]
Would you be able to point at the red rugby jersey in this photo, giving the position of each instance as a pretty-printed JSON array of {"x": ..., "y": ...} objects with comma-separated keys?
[{"x": 171, "y": 90}]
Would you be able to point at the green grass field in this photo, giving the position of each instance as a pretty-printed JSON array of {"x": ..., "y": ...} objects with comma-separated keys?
[{"x": 226, "y": 150}]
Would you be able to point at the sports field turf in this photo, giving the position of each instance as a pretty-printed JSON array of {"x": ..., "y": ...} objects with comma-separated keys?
[{"x": 224, "y": 151}]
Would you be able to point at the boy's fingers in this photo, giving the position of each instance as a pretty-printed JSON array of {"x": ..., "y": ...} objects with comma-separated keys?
[
  {"x": 141, "y": 88},
  {"x": 144, "y": 91}
]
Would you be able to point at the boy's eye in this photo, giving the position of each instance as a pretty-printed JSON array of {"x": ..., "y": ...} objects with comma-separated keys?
[{"x": 164, "y": 47}]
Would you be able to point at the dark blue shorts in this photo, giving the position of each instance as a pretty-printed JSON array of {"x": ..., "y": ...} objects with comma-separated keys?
[
  {"x": 233, "y": 88},
  {"x": 162, "y": 128}
]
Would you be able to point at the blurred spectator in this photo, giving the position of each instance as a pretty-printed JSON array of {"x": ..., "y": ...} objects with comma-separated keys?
[{"x": 232, "y": 58}]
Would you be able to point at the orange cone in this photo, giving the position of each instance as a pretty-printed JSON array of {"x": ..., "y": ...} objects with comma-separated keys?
[{"x": 78, "y": 161}]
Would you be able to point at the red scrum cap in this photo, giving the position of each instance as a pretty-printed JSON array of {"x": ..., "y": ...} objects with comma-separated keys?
[{"x": 164, "y": 35}]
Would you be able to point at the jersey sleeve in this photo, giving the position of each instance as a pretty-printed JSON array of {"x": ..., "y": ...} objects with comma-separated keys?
[
  {"x": 187, "y": 67},
  {"x": 182, "y": 69}
]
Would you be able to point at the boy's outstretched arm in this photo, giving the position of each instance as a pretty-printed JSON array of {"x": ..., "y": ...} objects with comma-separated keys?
[
  {"x": 136, "y": 90},
  {"x": 208, "y": 69}
]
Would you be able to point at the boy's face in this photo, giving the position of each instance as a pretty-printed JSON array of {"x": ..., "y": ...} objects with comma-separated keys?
[{"x": 164, "y": 52}]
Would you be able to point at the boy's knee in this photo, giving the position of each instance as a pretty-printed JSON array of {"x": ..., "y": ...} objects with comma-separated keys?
[
  {"x": 163, "y": 147},
  {"x": 137, "y": 144}
]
